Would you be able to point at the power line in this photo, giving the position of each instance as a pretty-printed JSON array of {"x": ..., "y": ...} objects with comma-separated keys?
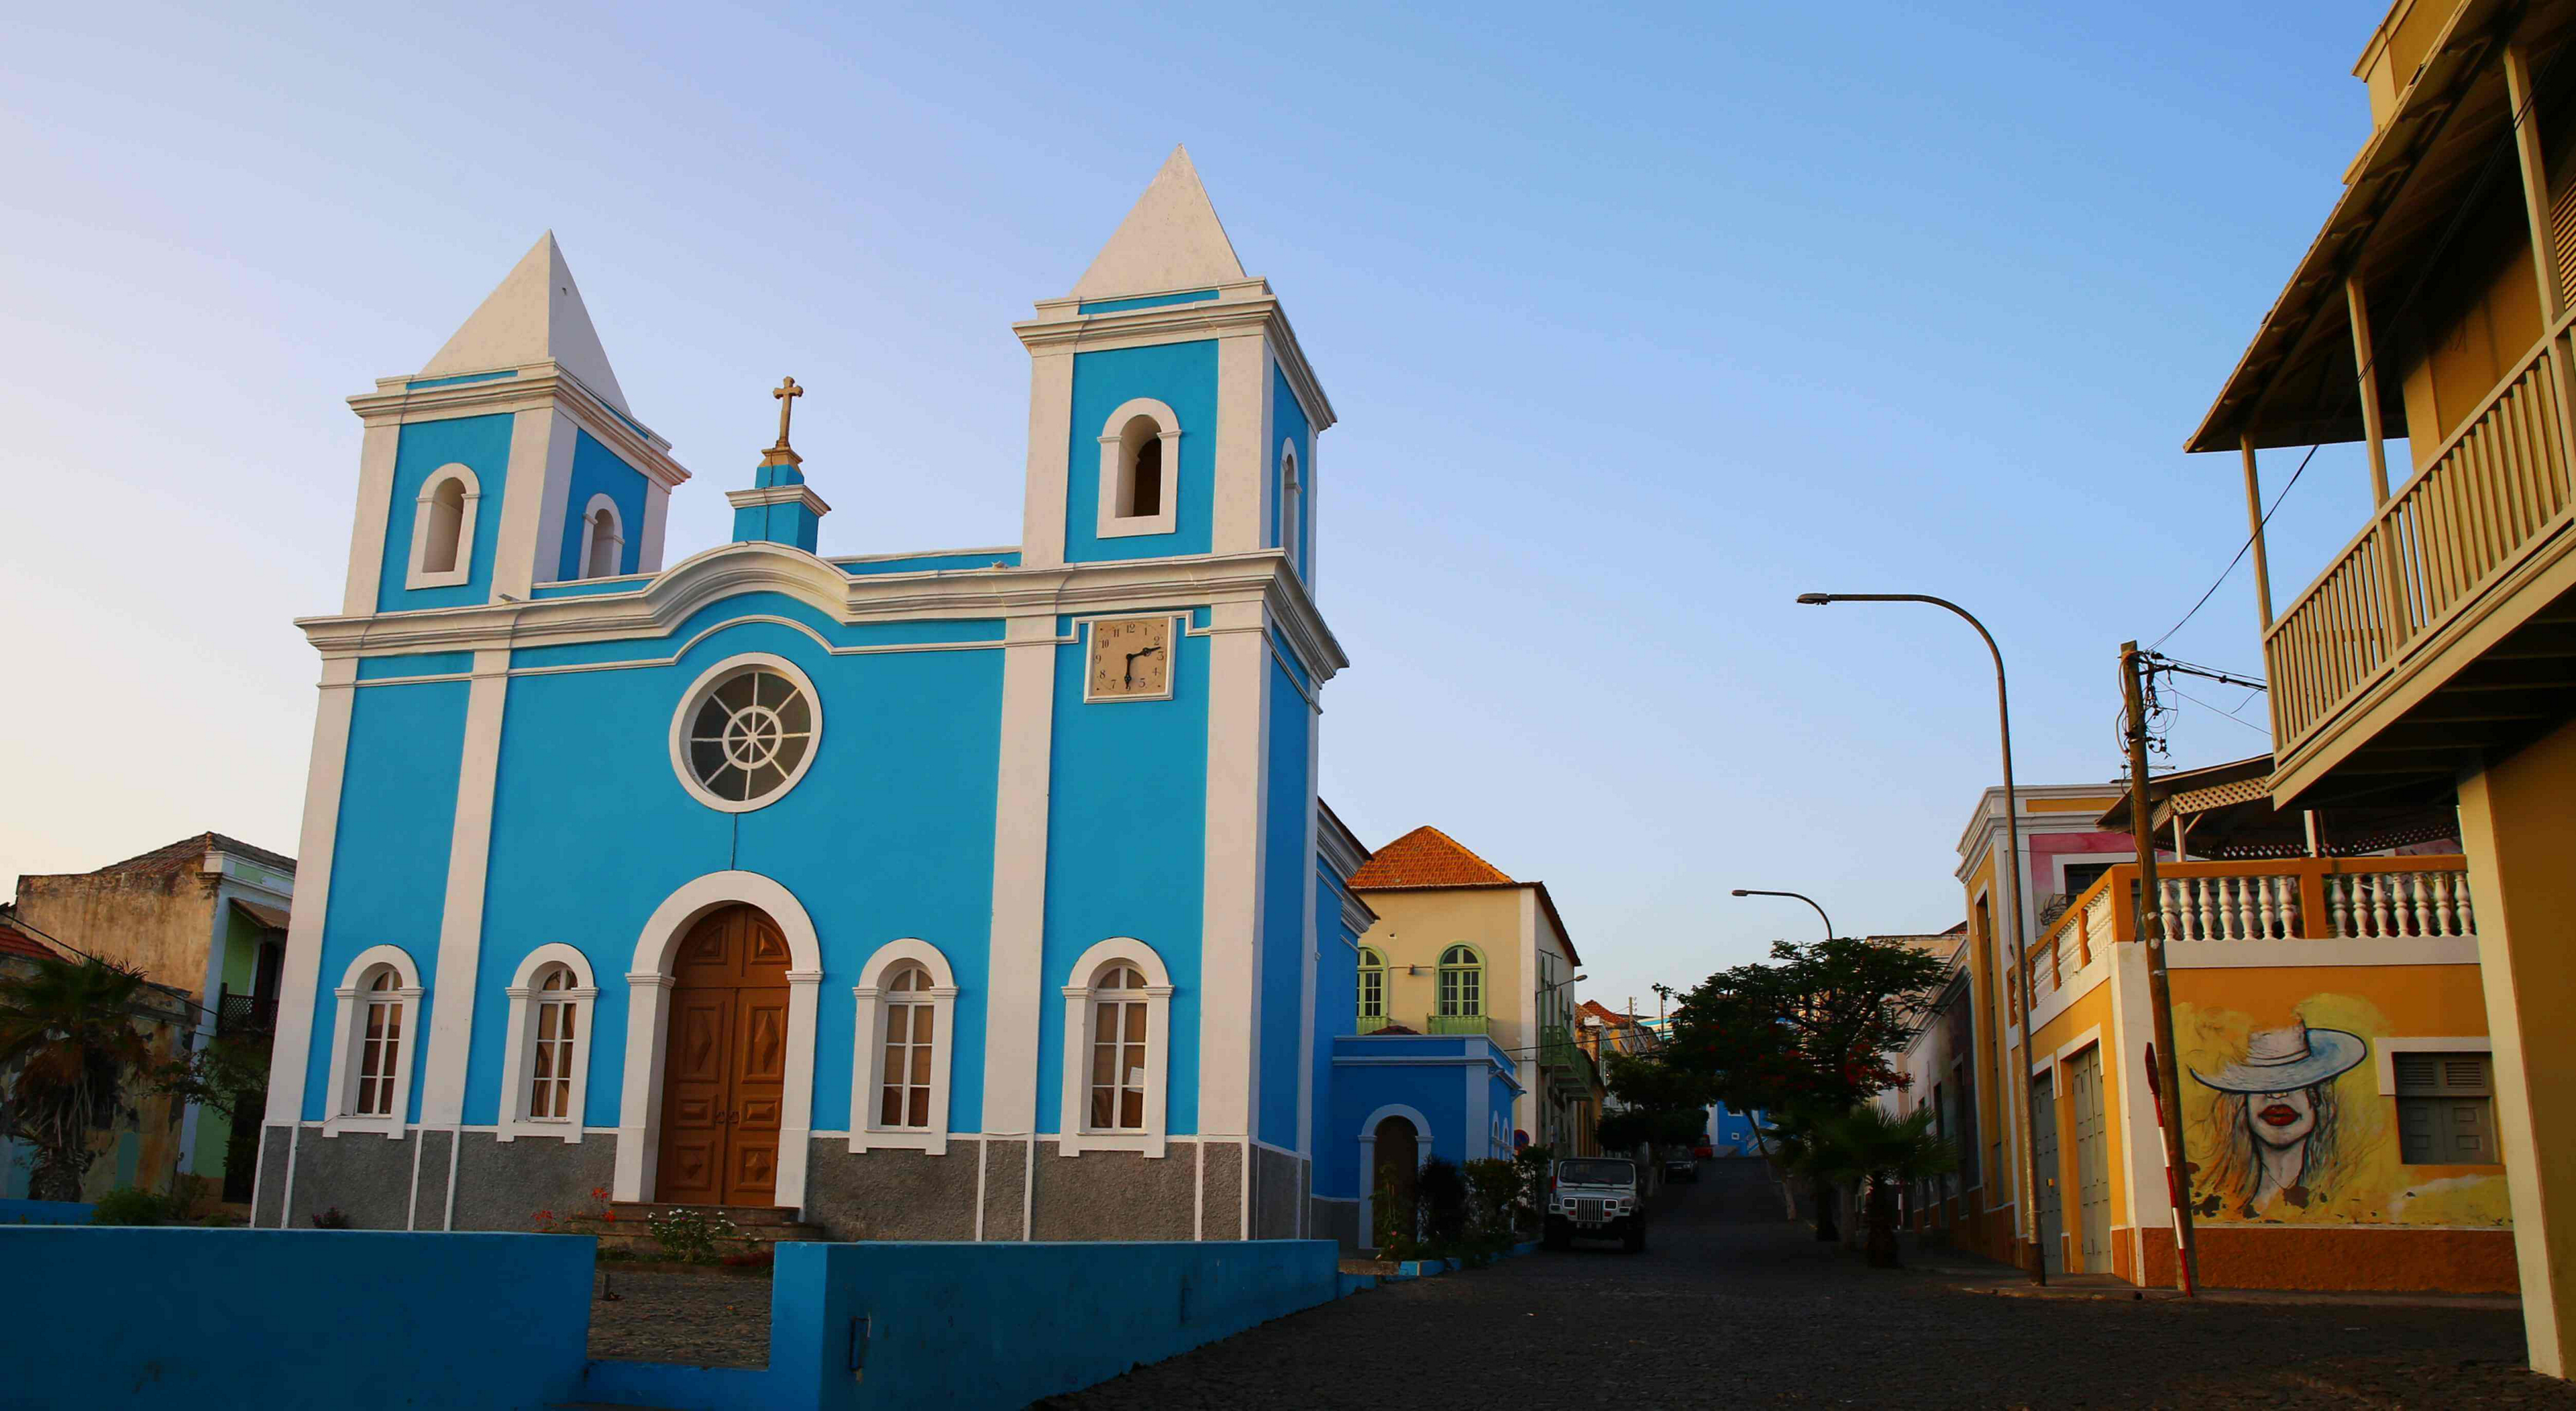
[{"x": 2222, "y": 710}]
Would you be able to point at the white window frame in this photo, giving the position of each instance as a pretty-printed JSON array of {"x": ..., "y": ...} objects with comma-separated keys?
[
  {"x": 348, "y": 1046},
  {"x": 421, "y": 576},
  {"x": 1113, "y": 469},
  {"x": 616, "y": 537},
  {"x": 867, "y": 1053},
  {"x": 519, "y": 1040},
  {"x": 695, "y": 696},
  {"x": 1292, "y": 503},
  {"x": 1074, "y": 1135}
]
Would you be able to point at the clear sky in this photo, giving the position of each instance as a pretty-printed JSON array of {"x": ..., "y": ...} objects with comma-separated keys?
[{"x": 1639, "y": 321}]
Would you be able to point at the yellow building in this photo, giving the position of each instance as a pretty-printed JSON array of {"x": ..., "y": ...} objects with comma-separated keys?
[
  {"x": 1460, "y": 948},
  {"x": 2435, "y": 658},
  {"x": 2338, "y": 1110}
]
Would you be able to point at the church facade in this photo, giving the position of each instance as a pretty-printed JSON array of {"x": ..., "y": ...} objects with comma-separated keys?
[{"x": 956, "y": 895}]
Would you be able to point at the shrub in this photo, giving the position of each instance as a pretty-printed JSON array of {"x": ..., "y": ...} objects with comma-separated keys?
[
  {"x": 692, "y": 1235},
  {"x": 1493, "y": 1199},
  {"x": 330, "y": 1219},
  {"x": 1442, "y": 1192},
  {"x": 128, "y": 1205}
]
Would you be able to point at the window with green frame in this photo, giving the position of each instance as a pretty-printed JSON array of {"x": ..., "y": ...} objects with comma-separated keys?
[
  {"x": 1372, "y": 984},
  {"x": 1462, "y": 982}
]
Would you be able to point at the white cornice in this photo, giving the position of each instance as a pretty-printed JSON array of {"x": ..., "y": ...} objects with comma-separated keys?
[
  {"x": 1059, "y": 328},
  {"x": 778, "y": 495},
  {"x": 395, "y": 402},
  {"x": 670, "y": 599}
]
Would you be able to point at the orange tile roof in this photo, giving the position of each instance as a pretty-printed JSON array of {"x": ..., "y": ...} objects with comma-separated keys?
[
  {"x": 18, "y": 943},
  {"x": 1426, "y": 857}
]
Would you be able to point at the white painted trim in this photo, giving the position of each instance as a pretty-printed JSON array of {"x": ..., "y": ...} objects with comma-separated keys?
[
  {"x": 460, "y": 929},
  {"x": 649, "y": 1014},
  {"x": 374, "y": 518},
  {"x": 1110, "y": 524},
  {"x": 545, "y": 552},
  {"x": 657, "y": 516},
  {"x": 796, "y": 493},
  {"x": 519, "y": 1040},
  {"x": 867, "y": 1055},
  {"x": 696, "y": 695},
  {"x": 2383, "y": 1055},
  {"x": 1084, "y": 629},
  {"x": 1368, "y": 1161},
  {"x": 1074, "y": 1135},
  {"x": 1016, "y": 980},
  {"x": 1049, "y": 476},
  {"x": 540, "y": 474},
  {"x": 345, "y": 1048},
  {"x": 300, "y": 974},
  {"x": 589, "y": 530},
  {"x": 2376, "y": 950},
  {"x": 1241, "y": 515},
  {"x": 1230, "y": 909},
  {"x": 421, "y": 575}
]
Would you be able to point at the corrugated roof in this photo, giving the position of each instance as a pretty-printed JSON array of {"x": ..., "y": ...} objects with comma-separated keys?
[{"x": 1426, "y": 857}]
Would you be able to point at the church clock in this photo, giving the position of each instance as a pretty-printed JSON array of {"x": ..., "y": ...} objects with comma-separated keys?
[{"x": 1131, "y": 659}]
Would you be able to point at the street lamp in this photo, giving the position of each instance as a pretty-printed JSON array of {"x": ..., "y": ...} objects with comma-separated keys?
[
  {"x": 1811, "y": 901},
  {"x": 2012, "y": 847}
]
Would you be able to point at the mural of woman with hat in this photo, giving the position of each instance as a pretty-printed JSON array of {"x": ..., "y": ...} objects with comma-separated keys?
[{"x": 2277, "y": 1115}]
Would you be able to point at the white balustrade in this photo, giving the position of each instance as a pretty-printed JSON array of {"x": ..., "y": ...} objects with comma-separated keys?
[
  {"x": 2390, "y": 904},
  {"x": 2230, "y": 908}
]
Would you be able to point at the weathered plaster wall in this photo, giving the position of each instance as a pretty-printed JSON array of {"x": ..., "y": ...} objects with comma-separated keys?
[{"x": 159, "y": 922}]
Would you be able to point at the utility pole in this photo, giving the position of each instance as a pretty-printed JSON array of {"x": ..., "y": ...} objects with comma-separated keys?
[{"x": 2167, "y": 1078}]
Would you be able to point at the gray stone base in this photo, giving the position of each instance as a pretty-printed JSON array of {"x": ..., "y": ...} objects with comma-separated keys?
[
  {"x": 1335, "y": 1220},
  {"x": 1192, "y": 1191}
]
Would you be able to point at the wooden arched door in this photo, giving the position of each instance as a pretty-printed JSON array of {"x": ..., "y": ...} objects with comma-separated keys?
[
  {"x": 1398, "y": 1160},
  {"x": 725, "y": 1064}
]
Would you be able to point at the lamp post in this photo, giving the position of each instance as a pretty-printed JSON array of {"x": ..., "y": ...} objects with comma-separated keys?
[
  {"x": 1811, "y": 901},
  {"x": 2012, "y": 869}
]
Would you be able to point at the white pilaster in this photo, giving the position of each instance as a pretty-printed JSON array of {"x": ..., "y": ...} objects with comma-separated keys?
[
  {"x": 657, "y": 514},
  {"x": 1230, "y": 916},
  {"x": 300, "y": 977},
  {"x": 1050, "y": 446},
  {"x": 1017, "y": 955},
  {"x": 546, "y": 560},
  {"x": 374, "y": 518},
  {"x": 460, "y": 930},
  {"x": 1242, "y": 439},
  {"x": 514, "y": 552}
]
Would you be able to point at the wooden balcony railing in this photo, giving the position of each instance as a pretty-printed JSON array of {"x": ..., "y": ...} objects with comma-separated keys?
[
  {"x": 2288, "y": 899},
  {"x": 2499, "y": 487}
]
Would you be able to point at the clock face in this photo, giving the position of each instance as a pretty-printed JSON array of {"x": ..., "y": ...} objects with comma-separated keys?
[{"x": 1131, "y": 659}]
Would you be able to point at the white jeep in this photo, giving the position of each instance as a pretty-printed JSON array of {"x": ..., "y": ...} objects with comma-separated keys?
[{"x": 1595, "y": 1197}]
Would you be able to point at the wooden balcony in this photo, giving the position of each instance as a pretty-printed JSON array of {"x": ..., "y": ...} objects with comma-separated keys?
[
  {"x": 2446, "y": 629},
  {"x": 2278, "y": 899}
]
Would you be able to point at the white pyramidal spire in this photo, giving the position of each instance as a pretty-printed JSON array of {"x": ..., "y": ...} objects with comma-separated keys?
[
  {"x": 536, "y": 314},
  {"x": 1171, "y": 240}
]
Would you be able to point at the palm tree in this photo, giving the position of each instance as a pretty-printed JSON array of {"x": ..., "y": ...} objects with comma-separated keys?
[
  {"x": 67, "y": 1045},
  {"x": 1801, "y": 1150},
  {"x": 1884, "y": 1153}
]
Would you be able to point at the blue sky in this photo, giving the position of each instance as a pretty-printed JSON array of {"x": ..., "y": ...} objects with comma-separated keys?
[{"x": 1637, "y": 327}]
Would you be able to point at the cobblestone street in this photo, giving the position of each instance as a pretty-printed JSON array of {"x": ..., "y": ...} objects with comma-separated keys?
[{"x": 1730, "y": 1306}]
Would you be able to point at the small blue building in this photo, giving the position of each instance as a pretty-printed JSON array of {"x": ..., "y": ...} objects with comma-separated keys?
[{"x": 969, "y": 894}]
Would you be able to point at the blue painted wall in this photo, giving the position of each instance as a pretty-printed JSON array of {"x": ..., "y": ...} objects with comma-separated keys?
[
  {"x": 285, "y": 1320},
  {"x": 479, "y": 443},
  {"x": 1288, "y": 425},
  {"x": 1146, "y": 301},
  {"x": 597, "y": 470},
  {"x": 415, "y": 664},
  {"x": 887, "y": 835},
  {"x": 1434, "y": 1078},
  {"x": 389, "y": 862},
  {"x": 1337, "y": 999},
  {"x": 927, "y": 563},
  {"x": 1288, "y": 867},
  {"x": 1181, "y": 375},
  {"x": 1127, "y": 853}
]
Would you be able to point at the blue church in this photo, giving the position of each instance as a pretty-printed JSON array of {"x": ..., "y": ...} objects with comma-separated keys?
[{"x": 974, "y": 894}]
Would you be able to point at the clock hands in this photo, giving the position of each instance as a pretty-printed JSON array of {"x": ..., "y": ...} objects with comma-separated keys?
[{"x": 1131, "y": 660}]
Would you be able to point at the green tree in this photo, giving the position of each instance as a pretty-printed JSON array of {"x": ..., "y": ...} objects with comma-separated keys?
[
  {"x": 1806, "y": 1035},
  {"x": 1660, "y": 1104},
  {"x": 68, "y": 1047}
]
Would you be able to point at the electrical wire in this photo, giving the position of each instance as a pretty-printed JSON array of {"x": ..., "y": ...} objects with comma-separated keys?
[{"x": 2263, "y": 730}]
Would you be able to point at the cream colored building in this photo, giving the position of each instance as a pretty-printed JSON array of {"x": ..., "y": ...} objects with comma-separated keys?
[{"x": 1459, "y": 947}]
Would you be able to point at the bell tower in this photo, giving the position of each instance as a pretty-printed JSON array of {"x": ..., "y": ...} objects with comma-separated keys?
[
  {"x": 1171, "y": 412},
  {"x": 508, "y": 461}
]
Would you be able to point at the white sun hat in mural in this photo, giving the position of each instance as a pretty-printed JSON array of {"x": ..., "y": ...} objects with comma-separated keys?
[{"x": 2286, "y": 1060}]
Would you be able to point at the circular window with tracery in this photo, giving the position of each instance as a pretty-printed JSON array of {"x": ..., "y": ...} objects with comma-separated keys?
[{"x": 746, "y": 733}]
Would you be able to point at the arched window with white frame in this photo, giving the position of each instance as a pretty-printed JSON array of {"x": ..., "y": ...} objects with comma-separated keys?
[
  {"x": 906, "y": 1039},
  {"x": 545, "y": 1046},
  {"x": 442, "y": 528},
  {"x": 1117, "y": 1044},
  {"x": 603, "y": 539},
  {"x": 1140, "y": 470},
  {"x": 376, "y": 1034}
]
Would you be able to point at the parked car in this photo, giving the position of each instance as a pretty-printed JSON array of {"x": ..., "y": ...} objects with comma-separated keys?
[
  {"x": 1681, "y": 1168},
  {"x": 1595, "y": 1197}
]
